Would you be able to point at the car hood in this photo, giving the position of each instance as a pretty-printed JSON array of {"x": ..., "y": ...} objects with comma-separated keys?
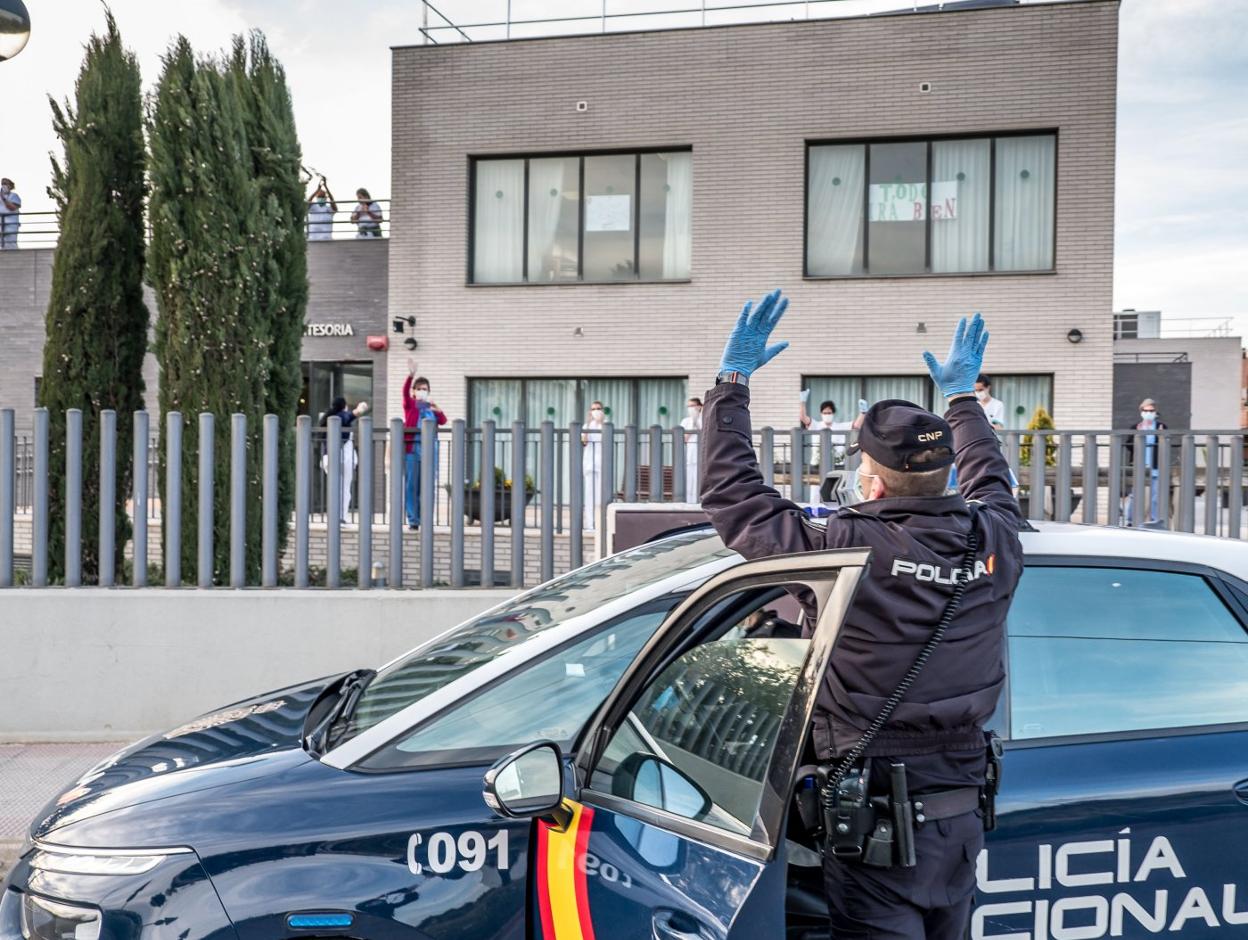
[{"x": 233, "y": 743}]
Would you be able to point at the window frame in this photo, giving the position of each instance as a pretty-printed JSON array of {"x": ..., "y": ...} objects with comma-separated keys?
[
  {"x": 852, "y": 408},
  {"x": 928, "y": 139},
  {"x": 579, "y": 155},
  {"x": 1219, "y": 582}
]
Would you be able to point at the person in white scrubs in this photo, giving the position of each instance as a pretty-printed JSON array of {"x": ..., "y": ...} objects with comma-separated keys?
[
  {"x": 346, "y": 451},
  {"x": 591, "y": 464},
  {"x": 321, "y": 209},
  {"x": 692, "y": 423},
  {"x": 827, "y": 421},
  {"x": 994, "y": 408}
]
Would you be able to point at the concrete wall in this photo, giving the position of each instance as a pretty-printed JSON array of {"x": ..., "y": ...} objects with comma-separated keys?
[
  {"x": 347, "y": 281},
  {"x": 113, "y": 664},
  {"x": 746, "y": 99},
  {"x": 1216, "y": 366}
]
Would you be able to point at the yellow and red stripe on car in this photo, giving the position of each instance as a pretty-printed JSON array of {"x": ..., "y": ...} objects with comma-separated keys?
[{"x": 562, "y": 892}]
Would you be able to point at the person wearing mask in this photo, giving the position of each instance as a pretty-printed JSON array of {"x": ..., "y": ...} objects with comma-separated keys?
[
  {"x": 346, "y": 452},
  {"x": 692, "y": 423},
  {"x": 827, "y": 421},
  {"x": 910, "y": 523},
  {"x": 10, "y": 214},
  {"x": 994, "y": 408},
  {"x": 417, "y": 407},
  {"x": 591, "y": 464},
  {"x": 366, "y": 216},
  {"x": 321, "y": 209},
  {"x": 1152, "y": 444}
]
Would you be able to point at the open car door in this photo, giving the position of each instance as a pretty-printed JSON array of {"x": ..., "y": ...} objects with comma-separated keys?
[{"x": 674, "y": 828}]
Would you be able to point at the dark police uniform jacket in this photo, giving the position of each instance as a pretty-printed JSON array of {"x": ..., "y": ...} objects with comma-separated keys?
[{"x": 917, "y": 544}]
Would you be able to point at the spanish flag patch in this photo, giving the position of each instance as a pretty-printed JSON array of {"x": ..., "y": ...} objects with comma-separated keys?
[{"x": 562, "y": 892}]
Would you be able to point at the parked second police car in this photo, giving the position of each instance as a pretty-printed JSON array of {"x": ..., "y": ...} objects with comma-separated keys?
[{"x": 664, "y": 693}]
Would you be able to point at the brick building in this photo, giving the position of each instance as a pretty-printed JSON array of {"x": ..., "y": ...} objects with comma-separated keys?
[{"x": 582, "y": 217}]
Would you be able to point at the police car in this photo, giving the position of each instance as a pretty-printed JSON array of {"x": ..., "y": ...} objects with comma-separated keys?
[{"x": 664, "y": 693}]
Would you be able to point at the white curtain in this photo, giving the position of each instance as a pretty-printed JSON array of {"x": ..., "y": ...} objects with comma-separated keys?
[
  {"x": 678, "y": 224},
  {"x": 834, "y": 210},
  {"x": 1024, "y": 204},
  {"x": 498, "y": 226},
  {"x": 961, "y": 186},
  {"x": 1022, "y": 395},
  {"x": 545, "y": 207},
  {"x": 911, "y": 388}
]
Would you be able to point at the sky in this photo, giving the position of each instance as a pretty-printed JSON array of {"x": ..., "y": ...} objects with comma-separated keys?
[{"x": 1182, "y": 190}]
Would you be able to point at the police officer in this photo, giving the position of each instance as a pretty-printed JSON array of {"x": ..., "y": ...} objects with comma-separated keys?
[{"x": 919, "y": 537}]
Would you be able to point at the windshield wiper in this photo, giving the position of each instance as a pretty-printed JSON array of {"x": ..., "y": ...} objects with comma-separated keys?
[{"x": 318, "y": 739}]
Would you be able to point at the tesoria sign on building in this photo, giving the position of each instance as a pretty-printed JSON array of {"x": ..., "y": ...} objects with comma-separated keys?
[{"x": 328, "y": 329}]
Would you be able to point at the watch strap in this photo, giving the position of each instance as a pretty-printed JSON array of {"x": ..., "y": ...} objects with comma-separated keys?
[{"x": 729, "y": 375}]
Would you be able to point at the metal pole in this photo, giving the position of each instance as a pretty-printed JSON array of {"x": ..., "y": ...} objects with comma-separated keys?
[
  {"x": 767, "y": 455},
  {"x": 1187, "y": 484},
  {"x": 364, "y": 537},
  {"x": 1138, "y": 480},
  {"x": 73, "y": 497},
  {"x": 1061, "y": 499},
  {"x": 268, "y": 503},
  {"x": 171, "y": 528},
  {"x": 108, "y": 497},
  {"x": 656, "y": 464},
  {"x": 1235, "y": 484},
  {"x": 1035, "y": 505},
  {"x": 8, "y": 494},
  {"x": 1212, "y": 491},
  {"x": 546, "y": 484},
  {"x": 238, "y": 500},
  {"x": 517, "y": 504},
  {"x": 333, "y": 502},
  {"x": 1114, "y": 508},
  {"x": 1013, "y": 445},
  {"x": 1163, "y": 479},
  {"x": 459, "y": 460},
  {"x": 797, "y": 462},
  {"x": 606, "y": 493},
  {"x": 39, "y": 511},
  {"x": 485, "y": 501},
  {"x": 138, "y": 565},
  {"x": 1091, "y": 478},
  {"x": 303, "y": 496},
  {"x": 428, "y": 505},
  {"x": 576, "y": 495},
  {"x": 825, "y": 455},
  {"x": 207, "y": 446},
  {"x": 680, "y": 486},
  {"x": 632, "y": 458},
  {"x": 398, "y": 466}
]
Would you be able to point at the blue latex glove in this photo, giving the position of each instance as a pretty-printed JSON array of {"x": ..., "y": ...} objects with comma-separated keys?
[
  {"x": 956, "y": 376},
  {"x": 862, "y": 406},
  {"x": 747, "y": 349}
]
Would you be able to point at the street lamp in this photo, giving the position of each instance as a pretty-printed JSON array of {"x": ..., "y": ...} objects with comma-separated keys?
[{"x": 14, "y": 28}]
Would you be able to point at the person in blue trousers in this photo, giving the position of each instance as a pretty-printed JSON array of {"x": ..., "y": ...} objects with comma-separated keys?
[{"x": 416, "y": 408}]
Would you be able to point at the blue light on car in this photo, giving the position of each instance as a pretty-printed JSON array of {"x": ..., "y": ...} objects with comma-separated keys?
[{"x": 318, "y": 921}]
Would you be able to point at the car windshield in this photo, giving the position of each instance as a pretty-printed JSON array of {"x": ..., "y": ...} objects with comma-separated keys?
[{"x": 503, "y": 629}]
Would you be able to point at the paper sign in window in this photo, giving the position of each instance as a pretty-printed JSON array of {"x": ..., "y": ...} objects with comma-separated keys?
[{"x": 612, "y": 213}]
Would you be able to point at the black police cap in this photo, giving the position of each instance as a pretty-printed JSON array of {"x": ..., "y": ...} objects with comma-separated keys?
[{"x": 902, "y": 436}]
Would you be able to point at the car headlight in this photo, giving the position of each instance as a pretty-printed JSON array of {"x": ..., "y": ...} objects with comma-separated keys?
[
  {"x": 76, "y": 861},
  {"x": 54, "y": 920}
]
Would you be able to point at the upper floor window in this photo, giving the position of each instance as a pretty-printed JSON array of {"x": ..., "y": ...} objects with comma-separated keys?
[
  {"x": 931, "y": 206},
  {"x": 592, "y": 217}
]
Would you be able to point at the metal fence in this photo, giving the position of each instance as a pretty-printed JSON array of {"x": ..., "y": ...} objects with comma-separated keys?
[{"x": 516, "y": 494}]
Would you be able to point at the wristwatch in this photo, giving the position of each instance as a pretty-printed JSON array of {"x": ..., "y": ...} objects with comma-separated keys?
[{"x": 738, "y": 378}]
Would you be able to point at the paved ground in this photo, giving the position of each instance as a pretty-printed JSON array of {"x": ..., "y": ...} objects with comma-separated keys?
[{"x": 30, "y": 775}]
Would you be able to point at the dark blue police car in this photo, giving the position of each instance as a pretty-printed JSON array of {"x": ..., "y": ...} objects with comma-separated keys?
[{"x": 672, "y": 690}]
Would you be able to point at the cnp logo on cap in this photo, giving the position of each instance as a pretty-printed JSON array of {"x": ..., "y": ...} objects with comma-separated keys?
[{"x": 902, "y": 436}]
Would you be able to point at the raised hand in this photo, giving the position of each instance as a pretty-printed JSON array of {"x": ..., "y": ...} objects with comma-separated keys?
[
  {"x": 747, "y": 349},
  {"x": 957, "y": 374}
]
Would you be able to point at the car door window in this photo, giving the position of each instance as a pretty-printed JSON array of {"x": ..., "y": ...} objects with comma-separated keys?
[
  {"x": 1096, "y": 650},
  {"x": 548, "y": 699},
  {"x": 698, "y": 740}
]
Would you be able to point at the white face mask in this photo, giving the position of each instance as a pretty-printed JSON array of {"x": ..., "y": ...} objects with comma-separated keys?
[
  {"x": 860, "y": 488},
  {"x": 983, "y": 394},
  {"x": 596, "y": 414},
  {"x": 828, "y": 417},
  {"x": 694, "y": 411},
  {"x": 1149, "y": 416},
  {"x": 422, "y": 394}
]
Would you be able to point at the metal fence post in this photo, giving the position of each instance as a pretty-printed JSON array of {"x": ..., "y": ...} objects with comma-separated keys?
[
  {"x": 797, "y": 465},
  {"x": 1013, "y": 447},
  {"x": 576, "y": 495},
  {"x": 1138, "y": 479},
  {"x": 1235, "y": 486},
  {"x": 268, "y": 502},
  {"x": 398, "y": 508},
  {"x": 364, "y": 529},
  {"x": 680, "y": 486},
  {"x": 606, "y": 493},
  {"x": 825, "y": 455},
  {"x": 486, "y": 492},
  {"x": 1091, "y": 477},
  {"x": 207, "y": 446},
  {"x": 546, "y": 484},
  {"x": 656, "y": 464},
  {"x": 138, "y": 564},
  {"x": 1187, "y": 484},
  {"x": 171, "y": 526},
  {"x": 73, "y": 497},
  {"x": 459, "y": 462},
  {"x": 333, "y": 502},
  {"x": 39, "y": 509},
  {"x": 518, "y": 494},
  {"x": 1039, "y": 459},
  {"x": 1062, "y": 496},
  {"x": 632, "y": 459},
  {"x": 8, "y": 494},
  {"x": 1163, "y": 479},
  {"x": 1114, "y": 497},
  {"x": 427, "y": 496},
  {"x": 108, "y": 498},
  {"x": 238, "y": 500},
  {"x": 767, "y": 455},
  {"x": 303, "y": 496},
  {"x": 1212, "y": 488}
]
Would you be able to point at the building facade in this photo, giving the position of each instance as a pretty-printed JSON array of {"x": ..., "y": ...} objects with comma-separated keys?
[{"x": 581, "y": 218}]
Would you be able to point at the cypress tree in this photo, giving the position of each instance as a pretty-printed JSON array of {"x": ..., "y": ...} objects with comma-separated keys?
[
  {"x": 212, "y": 244},
  {"x": 276, "y": 165},
  {"x": 96, "y": 321}
]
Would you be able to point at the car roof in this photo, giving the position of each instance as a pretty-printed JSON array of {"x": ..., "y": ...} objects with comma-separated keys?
[{"x": 1064, "y": 538}]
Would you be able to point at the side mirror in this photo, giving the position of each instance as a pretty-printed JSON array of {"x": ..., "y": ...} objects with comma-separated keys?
[
  {"x": 526, "y": 783},
  {"x": 644, "y": 778}
]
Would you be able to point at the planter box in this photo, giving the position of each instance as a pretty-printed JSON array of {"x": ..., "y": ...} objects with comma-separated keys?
[{"x": 502, "y": 504}]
